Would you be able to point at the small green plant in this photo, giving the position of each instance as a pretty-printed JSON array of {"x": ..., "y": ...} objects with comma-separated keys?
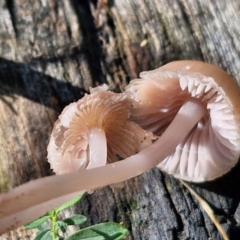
[{"x": 51, "y": 228}]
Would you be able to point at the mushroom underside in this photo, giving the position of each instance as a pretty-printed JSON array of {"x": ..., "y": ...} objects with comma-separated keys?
[
  {"x": 212, "y": 147},
  {"x": 95, "y": 130}
]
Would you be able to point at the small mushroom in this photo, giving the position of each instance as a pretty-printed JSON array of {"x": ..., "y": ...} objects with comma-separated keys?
[
  {"x": 94, "y": 131},
  {"x": 212, "y": 147}
]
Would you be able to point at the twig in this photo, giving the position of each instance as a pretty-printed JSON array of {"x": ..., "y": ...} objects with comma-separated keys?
[{"x": 208, "y": 210}]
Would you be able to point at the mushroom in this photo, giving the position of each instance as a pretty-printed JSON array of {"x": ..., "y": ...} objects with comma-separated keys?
[
  {"x": 95, "y": 131},
  {"x": 38, "y": 196},
  {"x": 212, "y": 147}
]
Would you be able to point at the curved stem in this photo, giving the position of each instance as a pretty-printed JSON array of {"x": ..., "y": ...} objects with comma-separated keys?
[{"x": 46, "y": 189}]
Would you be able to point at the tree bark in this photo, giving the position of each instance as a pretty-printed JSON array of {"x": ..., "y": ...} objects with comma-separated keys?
[{"x": 51, "y": 52}]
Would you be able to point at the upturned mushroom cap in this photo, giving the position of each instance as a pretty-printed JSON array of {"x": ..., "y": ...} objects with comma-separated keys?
[
  {"x": 95, "y": 130},
  {"x": 212, "y": 148}
]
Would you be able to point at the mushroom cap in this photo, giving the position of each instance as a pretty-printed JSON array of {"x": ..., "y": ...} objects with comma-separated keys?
[
  {"x": 102, "y": 113},
  {"x": 212, "y": 148}
]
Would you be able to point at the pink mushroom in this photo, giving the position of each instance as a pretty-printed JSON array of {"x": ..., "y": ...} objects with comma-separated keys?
[
  {"x": 95, "y": 131},
  {"x": 212, "y": 147},
  {"x": 37, "y": 197}
]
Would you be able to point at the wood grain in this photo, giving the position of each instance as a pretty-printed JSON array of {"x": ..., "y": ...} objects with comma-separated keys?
[{"x": 52, "y": 51}]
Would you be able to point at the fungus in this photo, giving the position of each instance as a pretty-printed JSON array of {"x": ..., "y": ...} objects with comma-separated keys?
[
  {"x": 95, "y": 131},
  {"x": 212, "y": 147},
  {"x": 37, "y": 197}
]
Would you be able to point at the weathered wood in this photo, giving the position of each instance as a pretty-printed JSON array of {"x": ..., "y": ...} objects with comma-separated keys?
[{"x": 52, "y": 51}]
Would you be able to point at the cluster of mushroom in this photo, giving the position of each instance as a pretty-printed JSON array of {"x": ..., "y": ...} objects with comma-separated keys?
[{"x": 182, "y": 117}]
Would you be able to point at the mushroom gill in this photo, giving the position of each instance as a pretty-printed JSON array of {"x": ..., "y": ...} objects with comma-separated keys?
[
  {"x": 95, "y": 130},
  {"x": 212, "y": 147}
]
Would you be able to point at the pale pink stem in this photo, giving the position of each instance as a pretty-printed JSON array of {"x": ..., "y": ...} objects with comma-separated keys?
[{"x": 45, "y": 189}]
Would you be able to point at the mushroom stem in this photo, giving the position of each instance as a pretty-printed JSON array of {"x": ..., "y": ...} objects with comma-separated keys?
[
  {"x": 27, "y": 215},
  {"x": 97, "y": 148},
  {"x": 45, "y": 189}
]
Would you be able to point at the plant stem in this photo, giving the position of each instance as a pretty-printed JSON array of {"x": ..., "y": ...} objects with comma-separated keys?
[{"x": 54, "y": 224}]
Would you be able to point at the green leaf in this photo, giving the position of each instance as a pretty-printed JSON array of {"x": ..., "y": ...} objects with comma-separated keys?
[
  {"x": 43, "y": 226},
  {"x": 102, "y": 231},
  {"x": 62, "y": 226},
  {"x": 44, "y": 235},
  {"x": 37, "y": 222},
  {"x": 76, "y": 219},
  {"x": 69, "y": 203}
]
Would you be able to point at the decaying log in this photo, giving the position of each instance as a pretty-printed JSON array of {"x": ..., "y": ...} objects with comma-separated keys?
[{"x": 52, "y": 51}]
